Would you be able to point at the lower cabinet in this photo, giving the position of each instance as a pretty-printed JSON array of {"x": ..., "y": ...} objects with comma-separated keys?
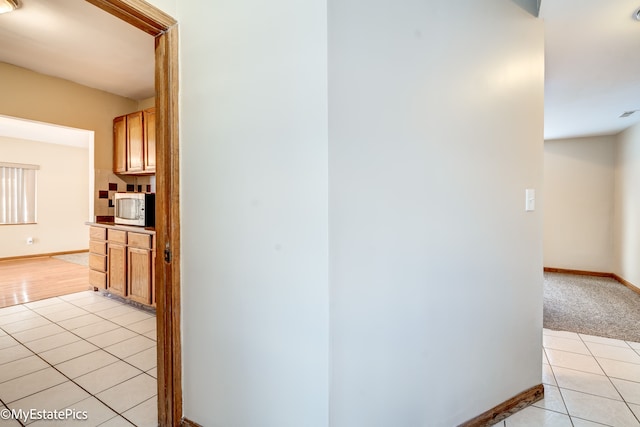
[
  {"x": 128, "y": 263},
  {"x": 140, "y": 261},
  {"x": 117, "y": 272},
  {"x": 98, "y": 257}
]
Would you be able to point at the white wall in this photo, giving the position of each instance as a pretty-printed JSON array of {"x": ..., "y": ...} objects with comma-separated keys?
[
  {"x": 253, "y": 95},
  {"x": 435, "y": 123},
  {"x": 62, "y": 198},
  {"x": 435, "y": 132},
  {"x": 627, "y": 206},
  {"x": 578, "y": 214}
]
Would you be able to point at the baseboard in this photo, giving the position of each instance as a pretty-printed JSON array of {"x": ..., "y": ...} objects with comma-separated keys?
[
  {"x": 578, "y": 272},
  {"x": 185, "y": 422},
  {"x": 488, "y": 418},
  {"x": 50, "y": 254},
  {"x": 510, "y": 407},
  {"x": 626, "y": 283}
]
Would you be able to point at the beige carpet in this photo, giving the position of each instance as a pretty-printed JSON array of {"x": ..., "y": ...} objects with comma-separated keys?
[
  {"x": 591, "y": 305},
  {"x": 81, "y": 258}
]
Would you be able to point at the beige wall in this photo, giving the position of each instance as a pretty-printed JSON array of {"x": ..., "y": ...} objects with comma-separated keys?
[
  {"x": 147, "y": 103},
  {"x": 30, "y": 95},
  {"x": 62, "y": 198},
  {"x": 627, "y": 206},
  {"x": 578, "y": 210}
]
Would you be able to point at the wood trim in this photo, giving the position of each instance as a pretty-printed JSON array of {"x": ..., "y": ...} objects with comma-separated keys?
[
  {"x": 578, "y": 272},
  {"x": 507, "y": 408},
  {"x": 167, "y": 281},
  {"x": 628, "y": 284},
  {"x": 138, "y": 13},
  {"x": 49, "y": 254},
  {"x": 168, "y": 230},
  {"x": 188, "y": 423}
]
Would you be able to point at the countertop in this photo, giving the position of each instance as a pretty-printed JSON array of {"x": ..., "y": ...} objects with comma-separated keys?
[{"x": 134, "y": 228}]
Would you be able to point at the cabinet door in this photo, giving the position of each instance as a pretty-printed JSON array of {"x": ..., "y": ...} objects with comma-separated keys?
[
  {"x": 153, "y": 278},
  {"x": 117, "y": 272},
  {"x": 120, "y": 144},
  {"x": 98, "y": 279},
  {"x": 149, "y": 118},
  {"x": 153, "y": 271},
  {"x": 135, "y": 143},
  {"x": 139, "y": 272}
]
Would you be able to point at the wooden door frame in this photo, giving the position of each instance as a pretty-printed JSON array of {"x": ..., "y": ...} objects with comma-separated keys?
[{"x": 167, "y": 283}]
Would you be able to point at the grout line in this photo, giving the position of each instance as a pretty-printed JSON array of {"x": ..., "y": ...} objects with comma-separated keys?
[
  {"x": 558, "y": 386},
  {"x": 611, "y": 382},
  {"x": 636, "y": 351},
  {"x": 100, "y": 347},
  {"x": 113, "y": 418},
  {"x": 19, "y": 358},
  {"x": 551, "y": 410},
  {"x": 18, "y": 420},
  {"x": 142, "y": 372},
  {"x": 71, "y": 380},
  {"x": 591, "y": 421}
]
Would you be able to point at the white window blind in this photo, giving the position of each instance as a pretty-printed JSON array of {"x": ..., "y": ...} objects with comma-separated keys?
[{"x": 17, "y": 193}]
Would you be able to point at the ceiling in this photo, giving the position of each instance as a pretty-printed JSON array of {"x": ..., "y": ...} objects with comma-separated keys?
[
  {"x": 592, "y": 66},
  {"x": 77, "y": 41},
  {"x": 592, "y": 71}
]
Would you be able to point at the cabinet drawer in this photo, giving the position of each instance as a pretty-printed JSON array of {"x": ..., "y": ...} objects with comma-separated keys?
[
  {"x": 99, "y": 248},
  {"x": 117, "y": 236},
  {"x": 97, "y": 262},
  {"x": 98, "y": 279},
  {"x": 140, "y": 240},
  {"x": 97, "y": 233}
]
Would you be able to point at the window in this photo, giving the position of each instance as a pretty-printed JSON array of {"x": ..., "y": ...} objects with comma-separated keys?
[{"x": 17, "y": 193}]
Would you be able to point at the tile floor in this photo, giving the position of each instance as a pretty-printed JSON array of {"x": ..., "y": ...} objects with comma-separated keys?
[
  {"x": 588, "y": 381},
  {"x": 84, "y": 352},
  {"x": 89, "y": 353}
]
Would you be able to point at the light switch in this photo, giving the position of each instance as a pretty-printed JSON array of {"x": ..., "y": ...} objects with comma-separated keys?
[{"x": 530, "y": 202}]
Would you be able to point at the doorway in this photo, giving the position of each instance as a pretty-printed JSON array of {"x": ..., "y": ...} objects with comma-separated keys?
[{"x": 164, "y": 28}]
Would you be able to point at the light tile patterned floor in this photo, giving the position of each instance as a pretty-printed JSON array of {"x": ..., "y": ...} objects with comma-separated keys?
[
  {"x": 588, "y": 381},
  {"x": 89, "y": 353},
  {"x": 81, "y": 351}
]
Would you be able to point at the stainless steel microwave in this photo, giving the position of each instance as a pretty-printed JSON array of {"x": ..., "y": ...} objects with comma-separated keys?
[{"x": 135, "y": 209}]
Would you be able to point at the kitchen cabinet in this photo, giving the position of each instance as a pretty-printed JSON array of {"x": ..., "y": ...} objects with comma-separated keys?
[
  {"x": 122, "y": 261},
  {"x": 117, "y": 262},
  {"x": 140, "y": 261},
  {"x": 98, "y": 257},
  {"x": 134, "y": 143},
  {"x": 149, "y": 120},
  {"x": 120, "y": 144}
]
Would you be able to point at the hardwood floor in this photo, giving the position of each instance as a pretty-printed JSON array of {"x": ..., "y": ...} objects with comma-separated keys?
[{"x": 32, "y": 279}]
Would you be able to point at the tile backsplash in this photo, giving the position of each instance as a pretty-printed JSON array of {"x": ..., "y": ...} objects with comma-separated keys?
[{"x": 107, "y": 183}]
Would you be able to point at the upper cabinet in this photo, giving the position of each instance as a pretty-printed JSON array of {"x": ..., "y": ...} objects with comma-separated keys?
[
  {"x": 134, "y": 143},
  {"x": 120, "y": 144},
  {"x": 149, "y": 120}
]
